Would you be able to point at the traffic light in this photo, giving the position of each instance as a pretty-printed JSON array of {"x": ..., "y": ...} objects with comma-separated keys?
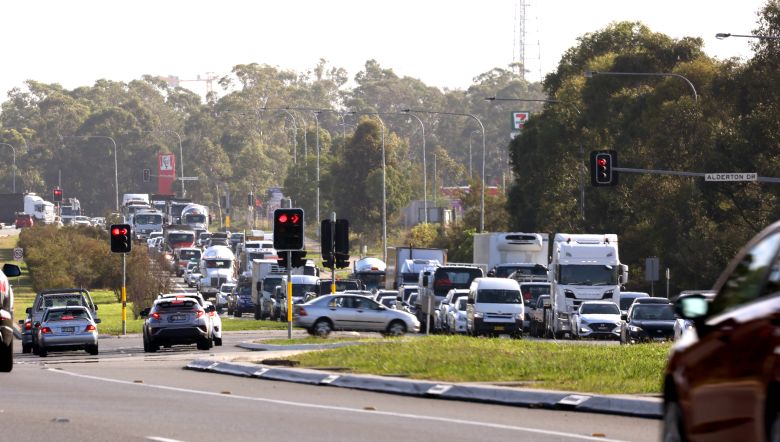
[
  {"x": 288, "y": 229},
  {"x": 147, "y": 175},
  {"x": 602, "y": 163},
  {"x": 298, "y": 259},
  {"x": 341, "y": 243},
  {"x": 121, "y": 238},
  {"x": 57, "y": 195},
  {"x": 326, "y": 241}
]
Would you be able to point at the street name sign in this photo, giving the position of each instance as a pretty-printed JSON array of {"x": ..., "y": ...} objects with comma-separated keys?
[{"x": 737, "y": 176}]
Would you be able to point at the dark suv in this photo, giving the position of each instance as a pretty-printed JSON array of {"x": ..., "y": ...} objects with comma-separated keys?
[{"x": 723, "y": 381}]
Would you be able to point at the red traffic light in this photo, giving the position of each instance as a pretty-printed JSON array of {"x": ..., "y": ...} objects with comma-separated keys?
[
  {"x": 116, "y": 231},
  {"x": 292, "y": 218},
  {"x": 283, "y": 218},
  {"x": 602, "y": 162}
]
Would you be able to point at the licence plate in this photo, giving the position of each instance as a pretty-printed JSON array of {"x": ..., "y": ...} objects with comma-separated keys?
[
  {"x": 68, "y": 329},
  {"x": 659, "y": 339},
  {"x": 498, "y": 327},
  {"x": 176, "y": 318}
]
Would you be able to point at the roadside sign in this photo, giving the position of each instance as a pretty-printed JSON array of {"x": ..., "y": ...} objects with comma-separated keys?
[
  {"x": 187, "y": 178},
  {"x": 651, "y": 269},
  {"x": 18, "y": 253},
  {"x": 519, "y": 119},
  {"x": 737, "y": 176}
]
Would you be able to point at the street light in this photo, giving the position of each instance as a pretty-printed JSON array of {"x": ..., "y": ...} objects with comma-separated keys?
[
  {"x": 425, "y": 167},
  {"x": 591, "y": 74},
  {"x": 181, "y": 157},
  {"x": 722, "y": 35},
  {"x": 14, "y": 165},
  {"x": 582, "y": 151},
  {"x": 475, "y": 131},
  {"x": 484, "y": 153},
  {"x": 116, "y": 167}
]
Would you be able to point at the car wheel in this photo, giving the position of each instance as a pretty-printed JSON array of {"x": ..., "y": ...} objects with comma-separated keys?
[
  {"x": 204, "y": 344},
  {"x": 6, "y": 357},
  {"x": 42, "y": 352},
  {"x": 672, "y": 429},
  {"x": 26, "y": 348},
  {"x": 322, "y": 328},
  {"x": 396, "y": 328},
  {"x": 218, "y": 342},
  {"x": 92, "y": 349}
]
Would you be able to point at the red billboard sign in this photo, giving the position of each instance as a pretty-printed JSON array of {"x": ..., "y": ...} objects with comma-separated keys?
[{"x": 166, "y": 173}]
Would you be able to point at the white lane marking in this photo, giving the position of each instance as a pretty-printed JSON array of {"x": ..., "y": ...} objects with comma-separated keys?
[
  {"x": 439, "y": 389},
  {"x": 162, "y": 439},
  {"x": 344, "y": 409}
]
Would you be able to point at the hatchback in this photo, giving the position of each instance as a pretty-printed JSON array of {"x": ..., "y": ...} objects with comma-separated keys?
[
  {"x": 176, "y": 322},
  {"x": 722, "y": 381},
  {"x": 23, "y": 220},
  {"x": 352, "y": 312},
  {"x": 648, "y": 321}
]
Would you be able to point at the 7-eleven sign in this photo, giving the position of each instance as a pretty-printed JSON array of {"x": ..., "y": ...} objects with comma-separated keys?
[{"x": 519, "y": 119}]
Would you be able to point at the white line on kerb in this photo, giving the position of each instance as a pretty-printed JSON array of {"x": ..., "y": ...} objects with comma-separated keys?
[
  {"x": 162, "y": 439},
  {"x": 343, "y": 409}
]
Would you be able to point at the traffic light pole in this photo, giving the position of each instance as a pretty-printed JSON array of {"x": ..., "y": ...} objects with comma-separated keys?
[
  {"x": 332, "y": 252},
  {"x": 124, "y": 294},
  {"x": 289, "y": 294}
]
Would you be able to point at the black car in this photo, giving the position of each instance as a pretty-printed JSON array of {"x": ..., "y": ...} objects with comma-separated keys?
[
  {"x": 240, "y": 300},
  {"x": 648, "y": 322}
]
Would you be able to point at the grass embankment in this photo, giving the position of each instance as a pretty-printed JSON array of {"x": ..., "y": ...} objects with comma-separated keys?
[{"x": 606, "y": 369}]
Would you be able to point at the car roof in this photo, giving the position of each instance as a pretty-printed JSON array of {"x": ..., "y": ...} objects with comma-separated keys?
[
  {"x": 652, "y": 300},
  {"x": 634, "y": 294},
  {"x": 496, "y": 283}
]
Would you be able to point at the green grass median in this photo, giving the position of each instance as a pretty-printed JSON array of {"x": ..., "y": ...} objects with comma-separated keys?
[{"x": 605, "y": 369}]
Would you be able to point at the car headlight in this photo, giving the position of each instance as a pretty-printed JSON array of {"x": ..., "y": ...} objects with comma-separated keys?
[
  {"x": 584, "y": 329},
  {"x": 478, "y": 315},
  {"x": 634, "y": 328},
  {"x": 520, "y": 316},
  {"x": 608, "y": 294}
]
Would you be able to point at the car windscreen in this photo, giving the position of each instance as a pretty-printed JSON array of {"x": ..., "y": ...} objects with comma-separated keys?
[
  {"x": 299, "y": 290},
  {"x": 412, "y": 298},
  {"x": 148, "y": 219},
  {"x": 445, "y": 279},
  {"x": 61, "y": 301},
  {"x": 176, "y": 306},
  {"x": 499, "y": 296},
  {"x": 66, "y": 315},
  {"x": 195, "y": 218},
  {"x": 218, "y": 263},
  {"x": 524, "y": 270},
  {"x": 244, "y": 290},
  {"x": 270, "y": 283},
  {"x": 588, "y": 275},
  {"x": 181, "y": 237},
  {"x": 189, "y": 254},
  {"x": 599, "y": 309},
  {"x": 653, "y": 312}
]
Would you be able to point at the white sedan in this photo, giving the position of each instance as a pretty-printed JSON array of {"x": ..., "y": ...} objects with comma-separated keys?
[
  {"x": 597, "y": 319},
  {"x": 456, "y": 315}
]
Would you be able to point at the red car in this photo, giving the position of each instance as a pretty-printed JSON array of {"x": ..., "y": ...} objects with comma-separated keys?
[
  {"x": 23, "y": 220},
  {"x": 723, "y": 381}
]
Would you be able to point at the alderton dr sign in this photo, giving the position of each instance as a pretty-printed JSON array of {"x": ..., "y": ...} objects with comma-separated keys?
[{"x": 730, "y": 177}]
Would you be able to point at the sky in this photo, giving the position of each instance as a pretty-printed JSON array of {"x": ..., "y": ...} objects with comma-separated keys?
[{"x": 443, "y": 43}]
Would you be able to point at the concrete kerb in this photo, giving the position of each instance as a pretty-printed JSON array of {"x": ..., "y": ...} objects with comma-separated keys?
[{"x": 650, "y": 408}]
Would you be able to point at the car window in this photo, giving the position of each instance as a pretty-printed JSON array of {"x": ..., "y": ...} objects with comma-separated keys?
[
  {"x": 499, "y": 296},
  {"x": 746, "y": 282},
  {"x": 60, "y": 301},
  {"x": 66, "y": 315},
  {"x": 653, "y": 312}
]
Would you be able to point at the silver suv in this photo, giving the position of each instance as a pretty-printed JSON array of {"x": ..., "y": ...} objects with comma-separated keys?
[{"x": 177, "y": 321}]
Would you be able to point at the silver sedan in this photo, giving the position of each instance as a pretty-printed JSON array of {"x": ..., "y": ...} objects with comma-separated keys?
[
  {"x": 352, "y": 312},
  {"x": 67, "y": 328}
]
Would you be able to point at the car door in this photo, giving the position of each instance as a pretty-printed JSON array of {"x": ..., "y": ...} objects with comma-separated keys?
[
  {"x": 736, "y": 348},
  {"x": 341, "y": 312},
  {"x": 370, "y": 314}
]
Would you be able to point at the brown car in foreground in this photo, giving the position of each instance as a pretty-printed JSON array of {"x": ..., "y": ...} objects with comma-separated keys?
[{"x": 722, "y": 383}]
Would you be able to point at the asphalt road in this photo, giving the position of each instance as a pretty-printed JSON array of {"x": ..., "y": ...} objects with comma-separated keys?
[{"x": 125, "y": 394}]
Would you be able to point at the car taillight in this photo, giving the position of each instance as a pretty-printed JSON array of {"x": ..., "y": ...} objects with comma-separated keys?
[
  {"x": 199, "y": 313},
  {"x": 45, "y": 330},
  {"x": 302, "y": 311},
  {"x": 28, "y": 325},
  {"x": 155, "y": 315},
  {"x": 90, "y": 327}
]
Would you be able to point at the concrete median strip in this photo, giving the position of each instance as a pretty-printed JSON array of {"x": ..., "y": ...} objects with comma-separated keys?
[{"x": 650, "y": 408}]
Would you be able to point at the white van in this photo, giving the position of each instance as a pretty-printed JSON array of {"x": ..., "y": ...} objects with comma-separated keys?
[{"x": 495, "y": 307}]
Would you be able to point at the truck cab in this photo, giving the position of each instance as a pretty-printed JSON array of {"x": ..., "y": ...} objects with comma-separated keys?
[
  {"x": 217, "y": 267},
  {"x": 145, "y": 222}
]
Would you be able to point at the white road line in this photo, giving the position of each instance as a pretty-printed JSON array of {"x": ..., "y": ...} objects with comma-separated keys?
[
  {"x": 161, "y": 439},
  {"x": 344, "y": 409}
]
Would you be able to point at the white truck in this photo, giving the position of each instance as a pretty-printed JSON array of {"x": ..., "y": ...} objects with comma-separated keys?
[
  {"x": 409, "y": 261},
  {"x": 584, "y": 267},
  {"x": 195, "y": 216},
  {"x": 70, "y": 209},
  {"x": 146, "y": 221},
  {"x": 504, "y": 253},
  {"x": 260, "y": 269},
  {"x": 41, "y": 210},
  {"x": 217, "y": 266}
]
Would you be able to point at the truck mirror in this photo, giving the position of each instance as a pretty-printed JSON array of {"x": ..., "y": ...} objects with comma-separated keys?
[
  {"x": 470, "y": 301},
  {"x": 623, "y": 273},
  {"x": 28, "y": 310},
  {"x": 623, "y": 316},
  {"x": 425, "y": 280}
]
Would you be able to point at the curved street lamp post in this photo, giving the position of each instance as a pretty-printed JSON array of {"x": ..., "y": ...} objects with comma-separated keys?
[{"x": 591, "y": 74}]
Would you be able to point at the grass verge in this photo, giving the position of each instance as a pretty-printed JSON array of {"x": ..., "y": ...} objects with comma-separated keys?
[
  {"x": 605, "y": 369},
  {"x": 312, "y": 340}
]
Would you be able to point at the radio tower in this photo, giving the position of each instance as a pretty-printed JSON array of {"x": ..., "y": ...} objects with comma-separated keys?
[{"x": 518, "y": 50}]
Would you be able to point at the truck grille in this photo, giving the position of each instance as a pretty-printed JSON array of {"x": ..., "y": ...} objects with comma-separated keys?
[{"x": 217, "y": 282}]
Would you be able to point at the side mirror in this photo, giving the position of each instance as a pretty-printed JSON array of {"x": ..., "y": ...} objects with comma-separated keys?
[
  {"x": 28, "y": 310},
  {"x": 211, "y": 308},
  {"x": 11, "y": 270},
  {"x": 624, "y": 317},
  {"x": 96, "y": 307},
  {"x": 37, "y": 324},
  {"x": 623, "y": 274},
  {"x": 425, "y": 280},
  {"x": 470, "y": 301},
  {"x": 398, "y": 298},
  {"x": 97, "y": 321},
  {"x": 144, "y": 313},
  {"x": 692, "y": 307},
  {"x": 21, "y": 322}
]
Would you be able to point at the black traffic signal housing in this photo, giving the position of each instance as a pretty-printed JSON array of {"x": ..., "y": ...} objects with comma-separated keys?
[
  {"x": 147, "y": 175},
  {"x": 341, "y": 243},
  {"x": 326, "y": 242},
  {"x": 298, "y": 259},
  {"x": 121, "y": 238},
  {"x": 288, "y": 229},
  {"x": 56, "y": 195},
  {"x": 602, "y": 164},
  {"x": 250, "y": 200}
]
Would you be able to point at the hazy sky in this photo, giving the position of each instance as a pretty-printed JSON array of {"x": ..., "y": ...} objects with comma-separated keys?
[{"x": 443, "y": 43}]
